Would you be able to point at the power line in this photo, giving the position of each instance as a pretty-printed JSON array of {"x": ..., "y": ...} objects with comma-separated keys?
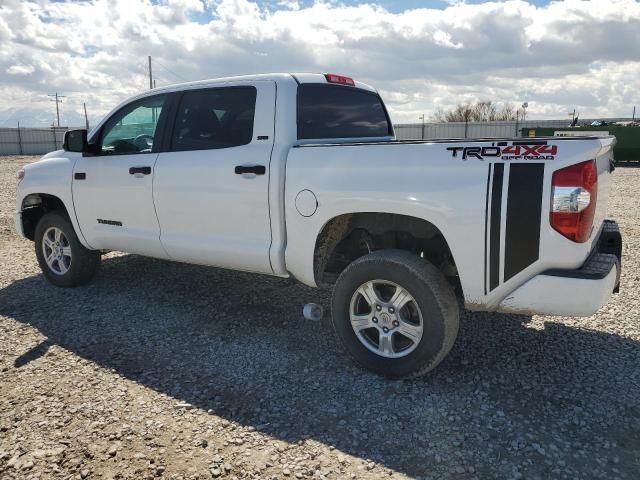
[
  {"x": 141, "y": 68},
  {"x": 172, "y": 72},
  {"x": 159, "y": 76}
]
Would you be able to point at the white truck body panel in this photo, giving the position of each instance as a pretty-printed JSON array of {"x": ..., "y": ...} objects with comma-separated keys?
[
  {"x": 110, "y": 192},
  {"x": 421, "y": 179},
  {"x": 194, "y": 208},
  {"x": 52, "y": 175},
  {"x": 228, "y": 223},
  {"x": 548, "y": 295}
]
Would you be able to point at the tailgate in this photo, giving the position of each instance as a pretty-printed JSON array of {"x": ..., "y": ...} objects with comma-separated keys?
[
  {"x": 523, "y": 237},
  {"x": 604, "y": 161}
]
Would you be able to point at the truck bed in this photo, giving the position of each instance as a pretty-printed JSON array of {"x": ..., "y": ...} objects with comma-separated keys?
[{"x": 466, "y": 188}]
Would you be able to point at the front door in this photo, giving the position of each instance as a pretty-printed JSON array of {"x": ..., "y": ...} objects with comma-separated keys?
[
  {"x": 112, "y": 190},
  {"x": 211, "y": 188}
]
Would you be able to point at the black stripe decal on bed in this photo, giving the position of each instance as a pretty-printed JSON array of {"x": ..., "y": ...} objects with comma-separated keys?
[
  {"x": 524, "y": 208},
  {"x": 486, "y": 226},
  {"x": 494, "y": 230}
]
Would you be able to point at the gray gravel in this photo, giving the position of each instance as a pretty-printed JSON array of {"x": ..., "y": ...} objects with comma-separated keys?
[{"x": 159, "y": 369}]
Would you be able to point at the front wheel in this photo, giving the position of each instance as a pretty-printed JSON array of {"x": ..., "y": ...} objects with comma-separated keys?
[
  {"x": 64, "y": 261},
  {"x": 395, "y": 313}
]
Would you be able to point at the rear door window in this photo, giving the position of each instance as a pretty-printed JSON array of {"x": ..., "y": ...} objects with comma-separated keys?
[
  {"x": 214, "y": 118},
  {"x": 335, "y": 111}
]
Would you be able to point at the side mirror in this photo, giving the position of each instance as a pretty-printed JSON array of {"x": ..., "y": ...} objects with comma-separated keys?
[{"x": 75, "y": 141}]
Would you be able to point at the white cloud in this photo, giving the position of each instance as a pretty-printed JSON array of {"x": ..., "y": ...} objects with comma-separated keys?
[
  {"x": 570, "y": 54},
  {"x": 20, "y": 69},
  {"x": 290, "y": 4}
]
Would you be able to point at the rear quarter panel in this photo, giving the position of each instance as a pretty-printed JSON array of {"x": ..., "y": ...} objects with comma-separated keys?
[{"x": 425, "y": 180}]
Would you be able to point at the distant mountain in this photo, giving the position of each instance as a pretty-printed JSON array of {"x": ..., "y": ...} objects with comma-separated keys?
[{"x": 33, "y": 117}]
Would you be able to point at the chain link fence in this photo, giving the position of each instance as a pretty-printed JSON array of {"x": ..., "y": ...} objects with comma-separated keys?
[
  {"x": 30, "y": 141},
  {"x": 38, "y": 141},
  {"x": 431, "y": 131}
]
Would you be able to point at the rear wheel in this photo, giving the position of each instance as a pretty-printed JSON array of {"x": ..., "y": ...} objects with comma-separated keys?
[
  {"x": 395, "y": 313},
  {"x": 64, "y": 261}
]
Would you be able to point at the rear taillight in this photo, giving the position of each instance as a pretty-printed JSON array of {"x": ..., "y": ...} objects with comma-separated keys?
[
  {"x": 573, "y": 200},
  {"x": 20, "y": 175}
]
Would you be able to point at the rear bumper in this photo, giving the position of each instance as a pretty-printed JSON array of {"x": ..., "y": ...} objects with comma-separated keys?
[{"x": 579, "y": 292}]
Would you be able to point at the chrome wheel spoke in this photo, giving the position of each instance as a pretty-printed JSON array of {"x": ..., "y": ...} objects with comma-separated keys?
[
  {"x": 400, "y": 298},
  {"x": 57, "y": 233},
  {"x": 412, "y": 332},
  {"x": 361, "y": 322},
  {"x": 385, "y": 345},
  {"x": 369, "y": 293},
  {"x": 61, "y": 266},
  {"x": 66, "y": 251}
]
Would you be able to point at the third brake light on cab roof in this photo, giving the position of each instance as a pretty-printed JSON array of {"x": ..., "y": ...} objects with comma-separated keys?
[{"x": 339, "y": 79}]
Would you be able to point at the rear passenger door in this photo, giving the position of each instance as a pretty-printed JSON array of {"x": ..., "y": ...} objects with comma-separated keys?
[{"x": 211, "y": 187}]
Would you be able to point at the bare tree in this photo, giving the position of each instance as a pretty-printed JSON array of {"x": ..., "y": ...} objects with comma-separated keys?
[{"x": 486, "y": 111}]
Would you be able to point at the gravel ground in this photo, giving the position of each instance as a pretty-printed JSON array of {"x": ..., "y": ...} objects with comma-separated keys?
[{"x": 165, "y": 370}]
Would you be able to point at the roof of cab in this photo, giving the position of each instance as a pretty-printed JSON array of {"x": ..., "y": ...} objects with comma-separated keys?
[
  {"x": 293, "y": 78},
  {"x": 275, "y": 77}
]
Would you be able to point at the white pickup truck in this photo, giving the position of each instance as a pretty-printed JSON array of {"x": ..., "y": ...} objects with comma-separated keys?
[{"x": 300, "y": 175}]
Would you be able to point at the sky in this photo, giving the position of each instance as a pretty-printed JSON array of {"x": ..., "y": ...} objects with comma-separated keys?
[{"x": 422, "y": 55}]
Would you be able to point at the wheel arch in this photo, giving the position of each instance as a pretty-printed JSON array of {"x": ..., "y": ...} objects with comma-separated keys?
[
  {"x": 348, "y": 236},
  {"x": 34, "y": 206}
]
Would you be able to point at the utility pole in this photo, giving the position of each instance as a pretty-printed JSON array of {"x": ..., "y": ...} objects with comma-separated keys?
[
  {"x": 150, "y": 75},
  {"x": 19, "y": 139},
  {"x": 86, "y": 119},
  {"x": 58, "y": 101},
  {"x": 421, "y": 117},
  {"x": 633, "y": 117}
]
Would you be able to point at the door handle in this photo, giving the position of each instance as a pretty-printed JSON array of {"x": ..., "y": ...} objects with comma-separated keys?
[
  {"x": 257, "y": 169},
  {"x": 142, "y": 170}
]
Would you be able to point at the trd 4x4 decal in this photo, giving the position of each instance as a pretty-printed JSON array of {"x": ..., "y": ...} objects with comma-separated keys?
[{"x": 516, "y": 151}]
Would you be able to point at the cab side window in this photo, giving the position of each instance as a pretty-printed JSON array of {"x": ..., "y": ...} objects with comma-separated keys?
[
  {"x": 132, "y": 129},
  {"x": 214, "y": 118},
  {"x": 334, "y": 111}
]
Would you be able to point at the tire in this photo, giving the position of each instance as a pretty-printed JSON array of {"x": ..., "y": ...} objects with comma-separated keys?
[
  {"x": 421, "y": 332},
  {"x": 75, "y": 265}
]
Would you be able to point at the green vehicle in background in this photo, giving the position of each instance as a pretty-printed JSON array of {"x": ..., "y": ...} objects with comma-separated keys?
[{"x": 627, "y": 147}]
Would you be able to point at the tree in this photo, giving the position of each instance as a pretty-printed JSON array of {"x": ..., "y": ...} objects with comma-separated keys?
[{"x": 486, "y": 111}]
